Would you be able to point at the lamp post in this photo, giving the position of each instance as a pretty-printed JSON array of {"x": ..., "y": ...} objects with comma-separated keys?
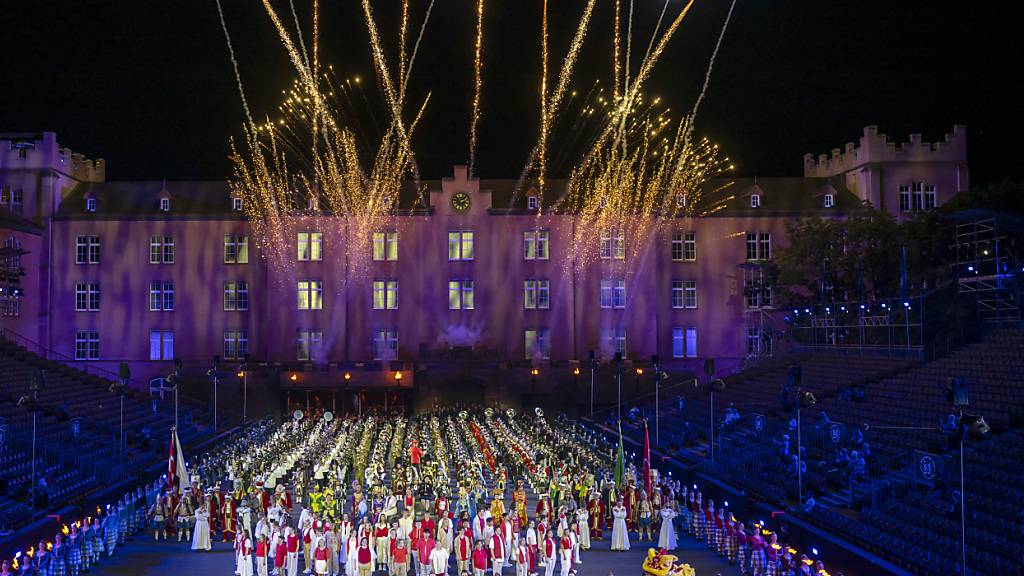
[
  {"x": 593, "y": 371},
  {"x": 173, "y": 379},
  {"x": 618, "y": 381},
  {"x": 657, "y": 390},
  {"x": 243, "y": 374},
  {"x": 35, "y": 384},
  {"x": 533, "y": 381},
  {"x": 214, "y": 374}
]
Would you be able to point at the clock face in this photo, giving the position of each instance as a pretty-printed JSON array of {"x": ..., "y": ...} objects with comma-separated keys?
[{"x": 460, "y": 201}]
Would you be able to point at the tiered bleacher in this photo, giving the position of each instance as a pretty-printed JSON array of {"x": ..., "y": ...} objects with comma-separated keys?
[
  {"x": 68, "y": 466},
  {"x": 881, "y": 449}
]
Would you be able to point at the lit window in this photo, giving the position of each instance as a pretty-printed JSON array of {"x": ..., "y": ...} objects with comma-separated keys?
[
  {"x": 311, "y": 295},
  {"x": 87, "y": 345},
  {"x": 755, "y": 200},
  {"x": 161, "y": 345},
  {"x": 161, "y": 296},
  {"x": 535, "y": 245},
  {"x": 236, "y": 204},
  {"x": 236, "y": 296},
  {"x": 87, "y": 250},
  {"x": 460, "y": 245},
  {"x": 385, "y": 294},
  {"x": 536, "y": 294},
  {"x": 87, "y": 296},
  {"x": 537, "y": 344},
  {"x": 829, "y": 200},
  {"x": 615, "y": 340},
  {"x": 385, "y": 344},
  {"x": 690, "y": 293},
  {"x": 236, "y": 344},
  {"x": 916, "y": 196},
  {"x": 613, "y": 245},
  {"x": 309, "y": 344},
  {"x": 684, "y": 342},
  {"x": 161, "y": 249},
  {"x": 310, "y": 246},
  {"x": 766, "y": 246},
  {"x": 165, "y": 204},
  {"x": 532, "y": 202},
  {"x": 90, "y": 204},
  {"x": 680, "y": 200},
  {"x": 613, "y": 293},
  {"x": 236, "y": 249},
  {"x": 460, "y": 295},
  {"x": 385, "y": 246}
]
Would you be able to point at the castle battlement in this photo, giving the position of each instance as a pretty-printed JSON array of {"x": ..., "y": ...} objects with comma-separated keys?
[
  {"x": 41, "y": 151},
  {"x": 877, "y": 148}
]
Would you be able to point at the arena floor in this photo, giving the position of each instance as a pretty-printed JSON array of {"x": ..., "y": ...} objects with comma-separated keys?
[{"x": 143, "y": 557}]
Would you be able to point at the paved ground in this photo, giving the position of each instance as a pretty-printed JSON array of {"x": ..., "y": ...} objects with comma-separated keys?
[{"x": 143, "y": 557}]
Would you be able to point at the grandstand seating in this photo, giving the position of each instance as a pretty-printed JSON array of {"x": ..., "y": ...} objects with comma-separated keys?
[{"x": 72, "y": 467}]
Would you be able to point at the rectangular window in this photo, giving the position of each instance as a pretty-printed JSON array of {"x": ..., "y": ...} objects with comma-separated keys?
[
  {"x": 532, "y": 202},
  {"x": 161, "y": 296},
  {"x": 385, "y": 344},
  {"x": 236, "y": 204},
  {"x": 916, "y": 197},
  {"x": 161, "y": 345},
  {"x": 537, "y": 344},
  {"x": 677, "y": 294},
  {"x": 310, "y": 246},
  {"x": 460, "y": 245},
  {"x": 929, "y": 197},
  {"x": 615, "y": 340},
  {"x": 460, "y": 295},
  {"x": 613, "y": 293},
  {"x": 678, "y": 343},
  {"x": 87, "y": 296},
  {"x": 690, "y": 287},
  {"x": 87, "y": 250},
  {"x": 766, "y": 246},
  {"x": 536, "y": 294},
  {"x": 613, "y": 245},
  {"x": 677, "y": 246},
  {"x": 755, "y": 200},
  {"x": 311, "y": 295},
  {"x": 90, "y": 204},
  {"x": 690, "y": 247},
  {"x": 309, "y": 344},
  {"x": 753, "y": 341},
  {"x": 751, "y": 246},
  {"x": 87, "y": 345},
  {"x": 829, "y": 200},
  {"x": 904, "y": 198},
  {"x": 535, "y": 245},
  {"x": 236, "y": 249},
  {"x": 236, "y": 344},
  {"x": 385, "y": 246},
  {"x": 236, "y": 296},
  {"x": 691, "y": 342},
  {"x": 385, "y": 294},
  {"x": 161, "y": 249}
]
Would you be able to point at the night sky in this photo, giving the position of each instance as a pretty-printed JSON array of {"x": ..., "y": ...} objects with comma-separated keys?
[{"x": 149, "y": 86}]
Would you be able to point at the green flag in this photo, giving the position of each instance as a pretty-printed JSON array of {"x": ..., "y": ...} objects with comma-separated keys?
[{"x": 620, "y": 462}]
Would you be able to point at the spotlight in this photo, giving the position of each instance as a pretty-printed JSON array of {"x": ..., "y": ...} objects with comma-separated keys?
[{"x": 978, "y": 426}]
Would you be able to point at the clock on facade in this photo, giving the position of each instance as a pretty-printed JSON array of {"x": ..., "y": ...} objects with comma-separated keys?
[{"x": 460, "y": 201}]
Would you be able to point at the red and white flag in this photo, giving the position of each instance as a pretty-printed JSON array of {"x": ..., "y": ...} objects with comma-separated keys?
[{"x": 177, "y": 475}]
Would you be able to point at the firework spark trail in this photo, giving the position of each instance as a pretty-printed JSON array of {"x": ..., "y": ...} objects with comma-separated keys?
[
  {"x": 707, "y": 75},
  {"x": 616, "y": 44},
  {"x": 629, "y": 47},
  {"x": 657, "y": 27},
  {"x": 477, "y": 84},
  {"x": 298, "y": 31},
  {"x": 402, "y": 32},
  {"x": 234, "y": 64},
  {"x": 416, "y": 46},
  {"x": 543, "y": 144}
]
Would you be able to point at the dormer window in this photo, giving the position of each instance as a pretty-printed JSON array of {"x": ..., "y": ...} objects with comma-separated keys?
[
  {"x": 829, "y": 200},
  {"x": 236, "y": 204},
  {"x": 532, "y": 202},
  {"x": 165, "y": 204},
  {"x": 90, "y": 204},
  {"x": 680, "y": 200},
  {"x": 755, "y": 200},
  {"x": 312, "y": 203}
]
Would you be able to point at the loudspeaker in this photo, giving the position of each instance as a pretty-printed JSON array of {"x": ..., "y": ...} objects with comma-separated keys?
[
  {"x": 618, "y": 357},
  {"x": 709, "y": 366},
  {"x": 796, "y": 376}
]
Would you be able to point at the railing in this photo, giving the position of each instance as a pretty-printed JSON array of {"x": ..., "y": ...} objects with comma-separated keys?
[
  {"x": 50, "y": 354},
  {"x": 895, "y": 477}
]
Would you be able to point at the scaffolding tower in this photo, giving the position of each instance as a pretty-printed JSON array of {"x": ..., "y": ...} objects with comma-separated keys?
[
  {"x": 758, "y": 309},
  {"x": 987, "y": 267}
]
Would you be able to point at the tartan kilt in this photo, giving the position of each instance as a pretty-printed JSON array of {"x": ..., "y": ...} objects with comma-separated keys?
[
  {"x": 758, "y": 560},
  {"x": 110, "y": 539},
  {"x": 97, "y": 543},
  {"x": 58, "y": 567},
  {"x": 772, "y": 569},
  {"x": 731, "y": 546},
  {"x": 87, "y": 546},
  {"x": 741, "y": 558},
  {"x": 75, "y": 555}
]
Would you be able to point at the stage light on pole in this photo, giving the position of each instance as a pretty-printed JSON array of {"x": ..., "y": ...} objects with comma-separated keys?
[
  {"x": 398, "y": 375},
  {"x": 576, "y": 371},
  {"x": 294, "y": 377},
  {"x": 348, "y": 376}
]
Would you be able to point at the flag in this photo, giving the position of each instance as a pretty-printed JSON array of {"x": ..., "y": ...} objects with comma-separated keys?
[
  {"x": 177, "y": 475},
  {"x": 647, "y": 459},
  {"x": 620, "y": 461}
]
